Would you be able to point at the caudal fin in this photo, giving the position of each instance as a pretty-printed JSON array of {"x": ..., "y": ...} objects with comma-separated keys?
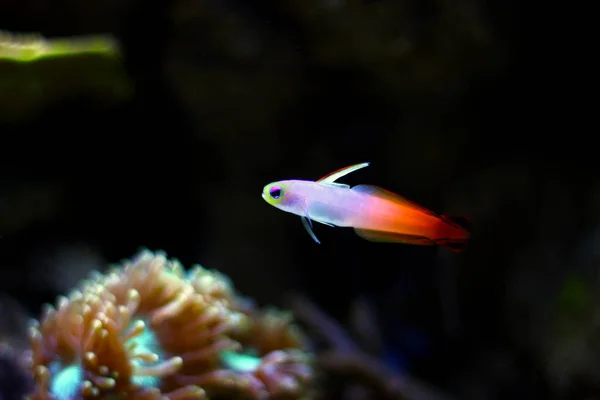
[
  {"x": 458, "y": 234},
  {"x": 460, "y": 221}
]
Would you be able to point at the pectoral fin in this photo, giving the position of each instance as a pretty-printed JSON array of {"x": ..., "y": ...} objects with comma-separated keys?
[
  {"x": 391, "y": 237},
  {"x": 330, "y": 179},
  {"x": 307, "y": 223}
]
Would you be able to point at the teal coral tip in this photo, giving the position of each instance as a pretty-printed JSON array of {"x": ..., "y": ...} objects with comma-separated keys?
[
  {"x": 65, "y": 381},
  {"x": 240, "y": 362},
  {"x": 145, "y": 343}
]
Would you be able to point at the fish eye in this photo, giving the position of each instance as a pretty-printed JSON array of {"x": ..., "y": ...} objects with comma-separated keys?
[{"x": 276, "y": 192}]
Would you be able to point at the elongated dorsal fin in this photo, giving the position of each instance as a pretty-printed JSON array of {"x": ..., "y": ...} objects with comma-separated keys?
[
  {"x": 391, "y": 196},
  {"x": 332, "y": 177}
]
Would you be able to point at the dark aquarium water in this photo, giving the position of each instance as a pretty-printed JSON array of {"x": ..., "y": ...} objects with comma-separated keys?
[{"x": 318, "y": 199}]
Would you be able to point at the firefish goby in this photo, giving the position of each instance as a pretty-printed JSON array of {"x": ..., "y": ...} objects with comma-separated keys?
[{"x": 375, "y": 214}]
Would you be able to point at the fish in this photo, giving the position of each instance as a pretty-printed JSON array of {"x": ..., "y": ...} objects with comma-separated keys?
[{"x": 375, "y": 214}]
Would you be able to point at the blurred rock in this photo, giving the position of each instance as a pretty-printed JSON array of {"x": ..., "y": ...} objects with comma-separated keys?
[
  {"x": 15, "y": 380},
  {"x": 25, "y": 205},
  {"x": 60, "y": 268}
]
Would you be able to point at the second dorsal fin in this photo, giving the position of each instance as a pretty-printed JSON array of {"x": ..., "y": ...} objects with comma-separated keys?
[{"x": 391, "y": 196}]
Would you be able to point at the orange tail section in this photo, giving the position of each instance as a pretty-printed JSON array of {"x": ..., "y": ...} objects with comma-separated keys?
[
  {"x": 455, "y": 232},
  {"x": 450, "y": 231}
]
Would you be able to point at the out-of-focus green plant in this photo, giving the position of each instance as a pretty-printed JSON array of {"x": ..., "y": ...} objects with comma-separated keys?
[
  {"x": 35, "y": 71},
  {"x": 574, "y": 297},
  {"x": 573, "y": 343}
]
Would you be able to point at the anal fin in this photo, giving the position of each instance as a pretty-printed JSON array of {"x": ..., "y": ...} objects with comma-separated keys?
[
  {"x": 455, "y": 245},
  {"x": 392, "y": 237}
]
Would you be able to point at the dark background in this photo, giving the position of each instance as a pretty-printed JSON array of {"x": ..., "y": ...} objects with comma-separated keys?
[{"x": 448, "y": 102}]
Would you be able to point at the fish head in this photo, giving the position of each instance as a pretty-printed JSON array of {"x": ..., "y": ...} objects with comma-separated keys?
[{"x": 282, "y": 195}]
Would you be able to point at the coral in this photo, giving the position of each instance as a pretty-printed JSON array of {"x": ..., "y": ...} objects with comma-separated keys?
[
  {"x": 278, "y": 372},
  {"x": 148, "y": 330}
]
